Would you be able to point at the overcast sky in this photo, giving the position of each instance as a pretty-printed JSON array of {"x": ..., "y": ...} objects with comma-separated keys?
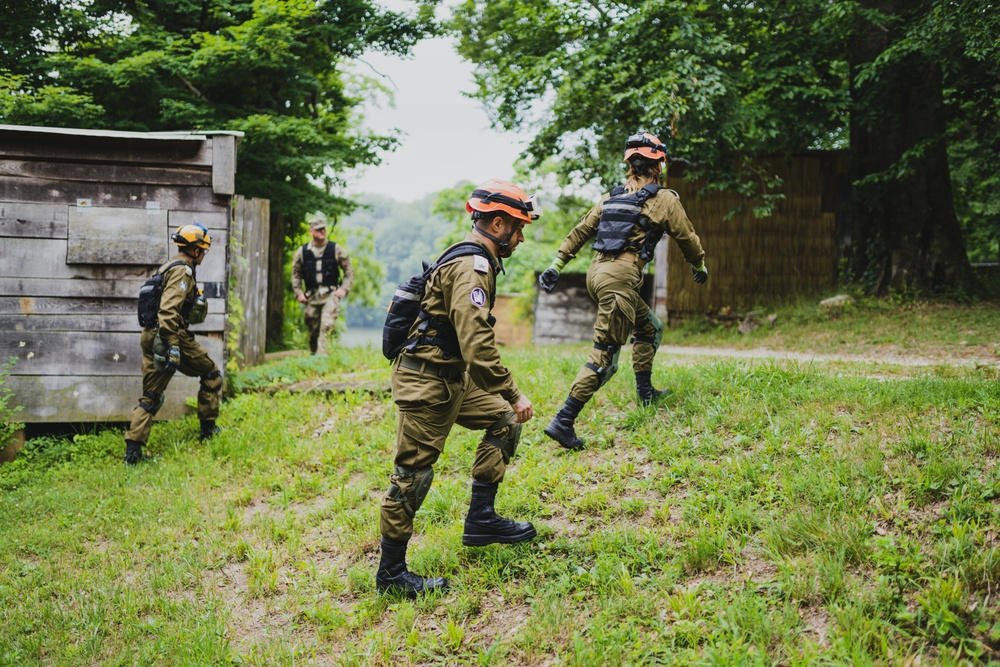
[{"x": 446, "y": 137}]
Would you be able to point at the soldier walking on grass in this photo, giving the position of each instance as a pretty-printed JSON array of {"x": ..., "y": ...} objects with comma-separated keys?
[
  {"x": 450, "y": 373},
  {"x": 628, "y": 223},
  {"x": 322, "y": 275},
  {"x": 168, "y": 304}
]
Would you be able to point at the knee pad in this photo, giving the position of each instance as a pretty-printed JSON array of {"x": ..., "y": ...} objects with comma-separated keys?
[
  {"x": 410, "y": 487},
  {"x": 657, "y": 324},
  {"x": 504, "y": 434},
  {"x": 212, "y": 383},
  {"x": 155, "y": 402},
  {"x": 604, "y": 374}
]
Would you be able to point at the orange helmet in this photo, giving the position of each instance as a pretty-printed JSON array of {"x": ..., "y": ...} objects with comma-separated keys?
[
  {"x": 195, "y": 236},
  {"x": 646, "y": 145},
  {"x": 497, "y": 195}
]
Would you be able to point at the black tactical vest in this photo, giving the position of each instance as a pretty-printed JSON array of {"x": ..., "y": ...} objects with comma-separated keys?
[
  {"x": 620, "y": 215},
  {"x": 328, "y": 262}
]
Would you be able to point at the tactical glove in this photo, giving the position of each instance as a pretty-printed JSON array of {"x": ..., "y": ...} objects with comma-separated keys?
[
  {"x": 700, "y": 273},
  {"x": 167, "y": 362},
  {"x": 549, "y": 276}
]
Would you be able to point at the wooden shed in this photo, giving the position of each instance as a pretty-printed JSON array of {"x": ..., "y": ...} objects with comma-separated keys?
[{"x": 85, "y": 217}]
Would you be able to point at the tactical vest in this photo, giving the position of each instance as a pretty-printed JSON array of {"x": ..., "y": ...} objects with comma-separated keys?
[
  {"x": 328, "y": 264},
  {"x": 152, "y": 290},
  {"x": 406, "y": 308},
  {"x": 620, "y": 215}
]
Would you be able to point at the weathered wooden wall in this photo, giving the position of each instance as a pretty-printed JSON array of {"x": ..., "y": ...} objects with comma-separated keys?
[
  {"x": 85, "y": 217},
  {"x": 758, "y": 261}
]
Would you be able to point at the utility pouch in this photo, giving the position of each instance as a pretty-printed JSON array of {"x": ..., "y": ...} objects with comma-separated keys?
[{"x": 199, "y": 309}]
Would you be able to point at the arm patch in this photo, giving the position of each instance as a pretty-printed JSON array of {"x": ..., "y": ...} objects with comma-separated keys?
[{"x": 480, "y": 264}]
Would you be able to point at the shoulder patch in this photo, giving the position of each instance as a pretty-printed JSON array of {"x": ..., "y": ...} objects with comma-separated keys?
[
  {"x": 674, "y": 193},
  {"x": 481, "y": 264},
  {"x": 184, "y": 285},
  {"x": 478, "y": 297}
]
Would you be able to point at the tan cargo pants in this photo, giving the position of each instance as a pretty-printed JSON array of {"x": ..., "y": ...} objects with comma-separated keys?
[
  {"x": 614, "y": 283},
  {"x": 428, "y": 408},
  {"x": 321, "y": 313},
  {"x": 194, "y": 363}
]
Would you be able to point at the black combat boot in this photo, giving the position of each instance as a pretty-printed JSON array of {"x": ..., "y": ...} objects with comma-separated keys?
[
  {"x": 561, "y": 428},
  {"x": 393, "y": 577},
  {"x": 483, "y": 526},
  {"x": 133, "y": 453},
  {"x": 644, "y": 389},
  {"x": 208, "y": 429}
]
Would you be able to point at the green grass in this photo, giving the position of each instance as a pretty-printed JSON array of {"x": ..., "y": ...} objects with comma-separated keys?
[
  {"x": 869, "y": 326},
  {"x": 768, "y": 514}
]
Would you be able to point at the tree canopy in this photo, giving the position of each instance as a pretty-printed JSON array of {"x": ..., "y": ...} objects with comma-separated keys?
[
  {"x": 898, "y": 82},
  {"x": 274, "y": 69}
]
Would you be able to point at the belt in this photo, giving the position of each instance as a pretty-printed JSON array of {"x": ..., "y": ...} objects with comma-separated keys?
[
  {"x": 449, "y": 373},
  {"x": 627, "y": 257}
]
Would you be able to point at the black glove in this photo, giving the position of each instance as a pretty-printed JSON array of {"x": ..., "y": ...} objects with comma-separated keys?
[
  {"x": 547, "y": 279},
  {"x": 700, "y": 273}
]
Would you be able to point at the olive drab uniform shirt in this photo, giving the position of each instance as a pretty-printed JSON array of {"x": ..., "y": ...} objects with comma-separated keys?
[
  {"x": 459, "y": 292},
  {"x": 663, "y": 211},
  {"x": 178, "y": 288}
]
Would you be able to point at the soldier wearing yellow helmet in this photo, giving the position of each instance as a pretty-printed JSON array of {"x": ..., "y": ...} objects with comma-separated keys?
[
  {"x": 169, "y": 302},
  {"x": 628, "y": 222},
  {"x": 450, "y": 373}
]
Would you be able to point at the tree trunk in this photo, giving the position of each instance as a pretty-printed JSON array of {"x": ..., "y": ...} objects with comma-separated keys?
[
  {"x": 276, "y": 281},
  {"x": 906, "y": 233}
]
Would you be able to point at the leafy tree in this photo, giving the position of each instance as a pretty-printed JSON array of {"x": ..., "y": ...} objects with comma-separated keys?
[
  {"x": 274, "y": 69},
  {"x": 729, "y": 83}
]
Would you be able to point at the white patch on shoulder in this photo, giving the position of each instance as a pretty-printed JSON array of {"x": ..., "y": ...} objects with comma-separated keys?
[
  {"x": 189, "y": 270},
  {"x": 478, "y": 297},
  {"x": 184, "y": 285},
  {"x": 480, "y": 264},
  {"x": 674, "y": 193}
]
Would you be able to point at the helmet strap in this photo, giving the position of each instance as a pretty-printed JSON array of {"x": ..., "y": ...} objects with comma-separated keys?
[{"x": 503, "y": 245}]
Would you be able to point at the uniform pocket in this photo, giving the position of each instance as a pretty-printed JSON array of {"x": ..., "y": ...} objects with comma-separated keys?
[{"x": 412, "y": 390}]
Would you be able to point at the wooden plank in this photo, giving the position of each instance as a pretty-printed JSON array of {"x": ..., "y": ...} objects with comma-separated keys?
[
  {"x": 46, "y": 221},
  {"x": 224, "y": 164},
  {"x": 67, "y": 398},
  {"x": 85, "y": 352},
  {"x": 112, "y": 195},
  {"x": 21, "y": 261},
  {"x": 17, "y": 143},
  {"x": 46, "y": 306},
  {"x": 103, "y": 235},
  {"x": 102, "y": 322},
  {"x": 120, "y": 288},
  {"x": 106, "y": 172},
  {"x": 211, "y": 220},
  {"x": 249, "y": 265}
]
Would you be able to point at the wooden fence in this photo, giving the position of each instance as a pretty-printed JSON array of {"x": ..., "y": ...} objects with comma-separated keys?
[{"x": 754, "y": 261}]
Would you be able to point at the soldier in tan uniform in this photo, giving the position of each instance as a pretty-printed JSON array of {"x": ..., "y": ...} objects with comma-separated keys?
[
  {"x": 628, "y": 223},
  {"x": 322, "y": 275},
  {"x": 168, "y": 346},
  {"x": 452, "y": 374}
]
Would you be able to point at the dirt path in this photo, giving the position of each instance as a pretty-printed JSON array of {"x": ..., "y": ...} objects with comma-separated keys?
[{"x": 667, "y": 351}]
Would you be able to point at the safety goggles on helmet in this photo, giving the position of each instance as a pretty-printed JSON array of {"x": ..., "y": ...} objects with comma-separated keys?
[
  {"x": 192, "y": 235},
  {"x": 646, "y": 145},
  {"x": 497, "y": 195}
]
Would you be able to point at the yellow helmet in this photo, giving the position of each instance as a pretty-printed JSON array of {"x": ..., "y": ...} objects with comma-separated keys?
[{"x": 192, "y": 236}]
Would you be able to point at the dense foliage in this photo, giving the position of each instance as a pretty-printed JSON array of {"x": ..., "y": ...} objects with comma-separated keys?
[
  {"x": 274, "y": 69},
  {"x": 729, "y": 83}
]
